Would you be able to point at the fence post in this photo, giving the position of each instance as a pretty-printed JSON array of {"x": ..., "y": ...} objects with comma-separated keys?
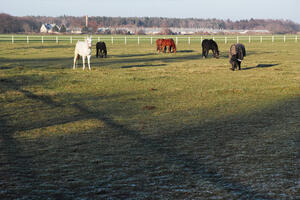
[
  {"x": 272, "y": 38},
  {"x": 151, "y": 41},
  {"x": 56, "y": 39},
  {"x": 237, "y": 39},
  {"x": 98, "y": 39},
  {"x": 176, "y": 40},
  {"x": 284, "y": 38},
  {"x": 138, "y": 40},
  {"x": 249, "y": 39},
  {"x": 71, "y": 39},
  {"x": 42, "y": 39},
  {"x": 27, "y": 39},
  {"x": 112, "y": 39},
  {"x": 201, "y": 39},
  {"x": 125, "y": 40},
  {"x": 189, "y": 40},
  {"x": 261, "y": 39},
  {"x": 12, "y": 39},
  {"x": 296, "y": 38}
]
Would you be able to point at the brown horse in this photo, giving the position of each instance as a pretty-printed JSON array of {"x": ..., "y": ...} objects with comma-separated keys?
[
  {"x": 162, "y": 44},
  {"x": 169, "y": 43},
  {"x": 159, "y": 45}
]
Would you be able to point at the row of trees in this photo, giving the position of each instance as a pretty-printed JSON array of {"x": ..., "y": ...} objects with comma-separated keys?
[{"x": 11, "y": 24}]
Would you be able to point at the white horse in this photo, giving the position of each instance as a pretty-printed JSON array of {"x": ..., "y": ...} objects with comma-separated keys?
[{"x": 83, "y": 49}]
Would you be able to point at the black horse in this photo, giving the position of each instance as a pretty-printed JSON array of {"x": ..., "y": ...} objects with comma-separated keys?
[
  {"x": 100, "y": 46},
  {"x": 209, "y": 45},
  {"x": 236, "y": 55}
]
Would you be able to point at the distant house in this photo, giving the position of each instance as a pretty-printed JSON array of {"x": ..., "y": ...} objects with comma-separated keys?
[
  {"x": 49, "y": 28},
  {"x": 75, "y": 30}
]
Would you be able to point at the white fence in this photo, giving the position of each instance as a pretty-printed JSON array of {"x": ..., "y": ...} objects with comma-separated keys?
[{"x": 147, "y": 39}]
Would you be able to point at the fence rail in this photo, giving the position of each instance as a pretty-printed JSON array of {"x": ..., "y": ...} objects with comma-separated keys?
[{"x": 147, "y": 39}]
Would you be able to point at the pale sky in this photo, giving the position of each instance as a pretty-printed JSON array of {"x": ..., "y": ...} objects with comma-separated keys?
[{"x": 219, "y": 9}]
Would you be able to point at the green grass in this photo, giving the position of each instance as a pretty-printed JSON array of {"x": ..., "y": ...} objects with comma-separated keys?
[{"x": 142, "y": 124}]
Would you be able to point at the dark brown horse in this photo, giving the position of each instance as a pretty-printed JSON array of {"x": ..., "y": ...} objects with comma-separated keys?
[
  {"x": 162, "y": 44},
  {"x": 209, "y": 45},
  {"x": 237, "y": 53}
]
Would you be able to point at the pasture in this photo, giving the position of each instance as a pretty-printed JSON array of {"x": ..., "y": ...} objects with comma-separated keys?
[{"x": 142, "y": 125}]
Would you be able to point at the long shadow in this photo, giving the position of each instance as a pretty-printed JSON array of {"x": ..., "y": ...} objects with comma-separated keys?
[
  {"x": 44, "y": 62},
  {"x": 15, "y": 166},
  {"x": 166, "y": 59},
  {"x": 172, "y": 155},
  {"x": 260, "y": 66},
  {"x": 59, "y": 46},
  {"x": 133, "y": 55},
  {"x": 150, "y": 65},
  {"x": 185, "y": 51}
]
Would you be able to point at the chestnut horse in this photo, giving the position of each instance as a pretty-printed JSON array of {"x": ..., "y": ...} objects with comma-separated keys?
[
  {"x": 158, "y": 45},
  {"x": 162, "y": 44}
]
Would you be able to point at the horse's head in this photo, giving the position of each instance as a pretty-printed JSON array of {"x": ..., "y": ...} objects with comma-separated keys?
[
  {"x": 215, "y": 49},
  {"x": 89, "y": 41},
  {"x": 216, "y": 53}
]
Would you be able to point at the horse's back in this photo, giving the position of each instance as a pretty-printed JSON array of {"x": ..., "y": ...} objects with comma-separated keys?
[
  {"x": 241, "y": 48},
  {"x": 209, "y": 43},
  {"x": 100, "y": 45},
  {"x": 82, "y": 49}
]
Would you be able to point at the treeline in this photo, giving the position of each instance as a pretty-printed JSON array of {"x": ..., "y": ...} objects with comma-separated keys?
[{"x": 12, "y": 24}]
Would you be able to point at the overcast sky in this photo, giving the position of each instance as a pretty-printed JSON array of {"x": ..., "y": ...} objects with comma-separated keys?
[{"x": 220, "y": 9}]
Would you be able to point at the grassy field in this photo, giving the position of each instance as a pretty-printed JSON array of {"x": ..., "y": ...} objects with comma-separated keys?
[{"x": 143, "y": 125}]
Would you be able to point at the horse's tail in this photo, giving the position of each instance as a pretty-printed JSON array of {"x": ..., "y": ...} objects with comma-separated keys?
[{"x": 159, "y": 44}]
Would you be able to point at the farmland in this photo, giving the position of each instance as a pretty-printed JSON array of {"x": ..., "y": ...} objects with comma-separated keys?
[{"x": 142, "y": 125}]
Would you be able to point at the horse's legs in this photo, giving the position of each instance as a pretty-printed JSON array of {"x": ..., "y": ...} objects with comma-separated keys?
[
  {"x": 239, "y": 64},
  {"x": 88, "y": 59},
  {"x": 97, "y": 52},
  {"x": 75, "y": 59},
  {"x": 203, "y": 53},
  {"x": 83, "y": 62}
]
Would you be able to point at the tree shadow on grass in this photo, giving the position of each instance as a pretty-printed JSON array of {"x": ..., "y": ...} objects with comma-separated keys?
[
  {"x": 67, "y": 62},
  {"x": 133, "y": 55},
  {"x": 130, "y": 164},
  {"x": 45, "y": 46},
  {"x": 145, "y": 65}
]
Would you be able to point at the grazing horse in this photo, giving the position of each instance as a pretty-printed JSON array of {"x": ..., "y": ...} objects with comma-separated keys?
[
  {"x": 158, "y": 45},
  {"x": 83, "y": 49},
  {"x": 209, "y": 45},
  {"x": 101, "y": 47},
  {"x": 162, "y": 45},
  {"x": 236, "y": 55},
  {"x": 169, "y": 43}
]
